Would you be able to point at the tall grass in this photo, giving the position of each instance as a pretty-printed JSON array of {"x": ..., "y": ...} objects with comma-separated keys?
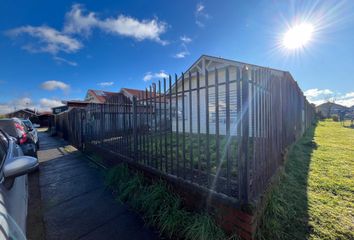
[{"x": 161, "y": 207}]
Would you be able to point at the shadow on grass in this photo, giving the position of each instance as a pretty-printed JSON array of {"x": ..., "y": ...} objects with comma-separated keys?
[{"x": 286, "y": 213}]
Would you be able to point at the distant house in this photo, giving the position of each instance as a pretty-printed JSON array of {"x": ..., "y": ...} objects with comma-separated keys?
[
  {"x": 45, "y": 119},
  {"x": 57, "y": 110},
  {"x": 70, "y": 104},
  {"x": 139, "y": 94},
  {"x": 328, "y": 109},
  {"x": 42, "y": 118},
  {"x": 143, "y": 97},
  {"x": 22, "y": 113},
  {"x": 130, "y": 93},
  {"x": 92, "y": 96},
  {"x": 98, "y": 96}
]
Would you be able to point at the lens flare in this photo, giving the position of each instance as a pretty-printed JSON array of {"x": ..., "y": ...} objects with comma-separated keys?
[{"x": 298, "y": 36}]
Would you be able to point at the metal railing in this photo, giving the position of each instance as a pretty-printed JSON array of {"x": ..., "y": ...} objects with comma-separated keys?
[{"x": 225, "y": 129}]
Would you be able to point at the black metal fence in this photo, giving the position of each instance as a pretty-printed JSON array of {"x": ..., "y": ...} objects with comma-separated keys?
[{"x": 225, "y": 130}]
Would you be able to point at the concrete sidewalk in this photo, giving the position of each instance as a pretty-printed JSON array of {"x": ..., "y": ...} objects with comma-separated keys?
[{"x": 75, "y": 203}]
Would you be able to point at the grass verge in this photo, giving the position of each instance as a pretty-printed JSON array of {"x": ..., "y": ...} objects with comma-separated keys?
[
  {"x": 161, "y": 207},
  {"x": 314, "y": 199}
]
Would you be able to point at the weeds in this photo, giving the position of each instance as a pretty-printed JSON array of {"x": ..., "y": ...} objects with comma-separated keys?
[
  {"x": 203, "y": 227},
  {"x": 161, "y": 207}
]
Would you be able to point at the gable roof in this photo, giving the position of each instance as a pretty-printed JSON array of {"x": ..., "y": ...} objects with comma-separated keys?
[
  {"x": 26, "y": 110},
  {"x": 327, "y": 104},
  {"x": 211, "y": 62},
  {"x": 138, "y": 93},
  {"x": 129, "y": 92},
  {"x": 101, "y": 96},
  {"x": 206, "y": 60}
]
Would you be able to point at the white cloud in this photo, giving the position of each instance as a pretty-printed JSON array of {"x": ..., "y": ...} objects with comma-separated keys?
[
  {"x": 181, "y": 54},
  {"x": 184, "y": 52},
  {"x": 48, "y": 40},
  {"x": 161, "y": 74},
  {"x": 76, "y": 22},
  {"x": 19, "y": 103},
  {"x": 79, "y": 23},
  {"x": 63, "y": 60},
  {"x": 315, "y": 92},
  {"x": 346, "y": 99},
  {"x": 39, "y": 39},
  {"x": 54, "y": 84},
  {"x": 200, "y": 15},
  {"x": 346, "y": 102},
  {"x": 319, "y": 96},
  {"x": 5, "y": 108},
  {"x": 200, "y": 7},
  {"x": 349, "y": 95},
  {"x": 149, "y": 75},
  {"x": 44, "y": 104},
  {"x": 185, "y": 39},
  {"x": 105, "y": 84}
]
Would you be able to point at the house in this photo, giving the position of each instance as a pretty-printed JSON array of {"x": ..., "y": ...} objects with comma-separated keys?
[
  {"x": 328, "y": 109},
  {"x": 130, "y": 93},
  {"x": 22, "y": 113},
  {"x": 140, "y": 94},
  {"x": 98, "y": 96},
  {"x": 70, "y": 104},
  {"x": 45, "y": 119},
  {"x": 57, "y": 110},
  {"x": 211, "y": 64}
]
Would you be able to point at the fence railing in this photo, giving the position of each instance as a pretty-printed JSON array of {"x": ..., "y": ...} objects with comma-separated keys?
[{"x": 224, "y": 129}]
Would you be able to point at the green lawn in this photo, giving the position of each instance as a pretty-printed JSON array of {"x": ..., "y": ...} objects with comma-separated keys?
[{"x": 315, "y": 197}]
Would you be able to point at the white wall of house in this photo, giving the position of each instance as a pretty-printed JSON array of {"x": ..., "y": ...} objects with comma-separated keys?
[{"x": 211, "y": 96}]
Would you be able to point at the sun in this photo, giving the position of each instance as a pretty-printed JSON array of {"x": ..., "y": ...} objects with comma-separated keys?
[{"x": 298, "y": 36}]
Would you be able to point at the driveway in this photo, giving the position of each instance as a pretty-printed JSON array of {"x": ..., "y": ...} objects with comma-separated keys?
[{"x": 74, "y": 201}]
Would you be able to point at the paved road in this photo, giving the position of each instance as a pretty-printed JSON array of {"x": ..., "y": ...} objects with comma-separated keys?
[{"x": 75, "y": 202}]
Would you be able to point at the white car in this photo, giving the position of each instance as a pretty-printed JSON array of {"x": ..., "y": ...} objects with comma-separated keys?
[{"x": 14, "y": 167}]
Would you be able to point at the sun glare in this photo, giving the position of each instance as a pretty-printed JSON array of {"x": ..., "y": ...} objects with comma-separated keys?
[{"x": 298, "y": 36}]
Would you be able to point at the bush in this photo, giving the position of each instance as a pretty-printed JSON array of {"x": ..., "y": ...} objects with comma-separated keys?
[{"x": 335, "y": 118}]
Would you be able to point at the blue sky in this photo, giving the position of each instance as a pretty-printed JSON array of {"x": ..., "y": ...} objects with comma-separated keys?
[{"x": 51, "y": 51}]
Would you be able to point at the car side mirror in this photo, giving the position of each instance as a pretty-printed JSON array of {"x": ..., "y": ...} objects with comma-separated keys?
[{"x": 20, "y": 166}]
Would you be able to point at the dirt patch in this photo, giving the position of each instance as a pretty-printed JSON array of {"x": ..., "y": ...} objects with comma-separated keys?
[{"x": 35, "y": 224}]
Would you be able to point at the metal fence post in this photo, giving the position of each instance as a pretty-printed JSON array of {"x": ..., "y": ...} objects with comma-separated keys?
[
  {"x": 102, "y": 124},
  {"x": 243, "y": 161},
  {"x": 135, "y": 134}
]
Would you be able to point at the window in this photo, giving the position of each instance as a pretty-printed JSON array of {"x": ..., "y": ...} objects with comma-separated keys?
[
  {"x": 28, "y": 123},
  {"x": 178, "y": 112}
]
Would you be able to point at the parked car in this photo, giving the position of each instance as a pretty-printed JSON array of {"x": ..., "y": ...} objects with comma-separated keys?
[
  {"x": 17, "y": 129},
  {"x": 14, "y": 167},
  {"x": 32, "y": 129}
]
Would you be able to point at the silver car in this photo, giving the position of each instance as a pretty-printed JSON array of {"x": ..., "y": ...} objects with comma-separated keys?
[
  {"x": 14, "y": 167},
  {"x": 32, "y": 129}
]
